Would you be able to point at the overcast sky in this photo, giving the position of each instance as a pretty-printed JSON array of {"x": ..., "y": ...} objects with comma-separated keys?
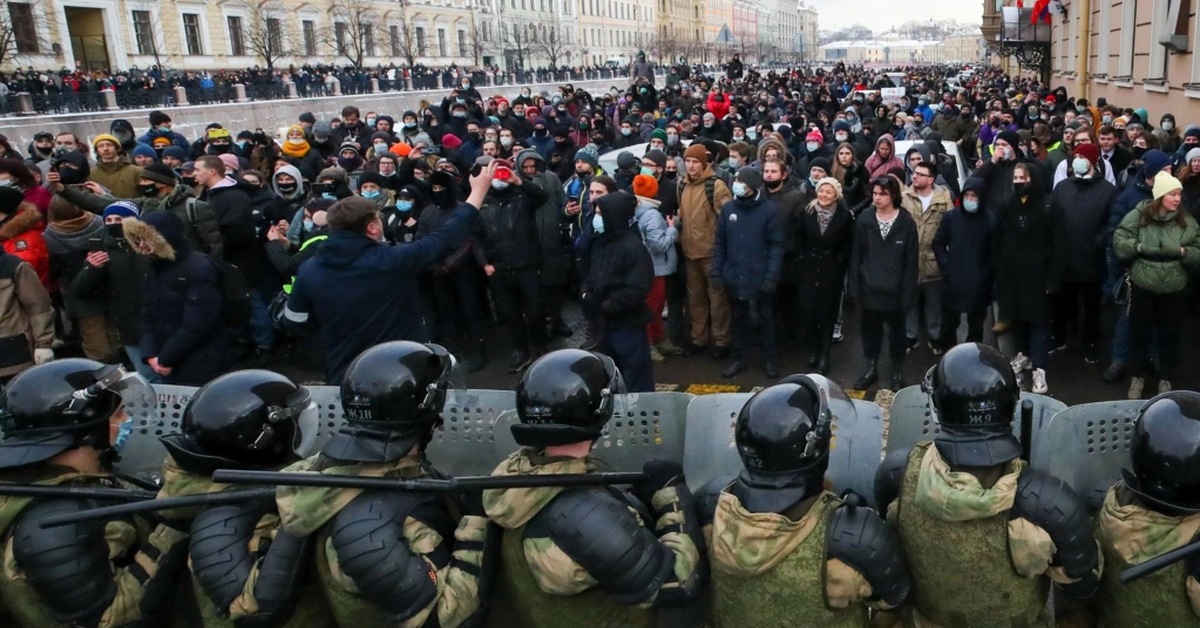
[{"x": 879, "y": 15}]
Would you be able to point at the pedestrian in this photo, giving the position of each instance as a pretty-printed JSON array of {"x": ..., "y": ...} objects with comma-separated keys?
[
  {"x": 113, "y": 169},
  {"x": 72, "y": 234},
  {"x": 26, "y": 318},
  {"x": 883, "y": 277},
  {"x": 660, "y": 236},
  {"x": 779, "y": 189},
  {"x": 701, "y": 197},
  {"x": 21, "y": 232},
  {"x": 747, "y": 256},
  {"x": 927, "y": 203},
  {"x": 824, "y": 239},
  {"x": 884, "y": 158},
  {"x": 1162, "y": 242},
  {"x": 963, "y": 249}
]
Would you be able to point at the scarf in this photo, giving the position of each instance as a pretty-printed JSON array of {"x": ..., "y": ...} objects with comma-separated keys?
[
  {"x": 295, "y": 150},
  {"x": 824, "y": 215}
]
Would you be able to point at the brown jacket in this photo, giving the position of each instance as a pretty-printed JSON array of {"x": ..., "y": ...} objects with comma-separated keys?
[
  {"x": 24, "y": 310},
  {"x": 928, "y": 222},
  {"x": 698, "y": 217},
  {"x": 119, "y": 177}
]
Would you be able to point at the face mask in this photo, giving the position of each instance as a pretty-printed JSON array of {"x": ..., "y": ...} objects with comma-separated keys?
[
  {"x": 647, "y": 171},
  {"x": 583, "y": 126},
  {"x": 116, "y": 231},
  {"x": 739, "y": 189},
  {"x": 404, "y": 206},
  {"x": 1138, "y": 152},
  {"x": 751, "y": 133},
  {"x": 410, "y": 125},
  {"x": 459, "y": 114},
  {"x": 6, "y": 183},
  {"x": 971, "y": 205},
  {"x": 499, "y": 185},
  {"x": 188, "y": 181},
  {"x": 489, "y": 138},
  {"x": 1167, "y": 125},
  {"x": 922, "y": 102},
  {"x": 371, "y": 194},
  {"x": 164, "y": 129},
  {"x": 841, "y": 137},
  {"x": 329, "y": 196},
  {"x": 220, "y": 149},
  {"x": 539, "y": 132},
  {"x": 672, "y": 140},
  {"x": 349, "y": 163},
  {"x": 1021, "y": 189},
  {"x": 506, "y": 141},
  {"x": 1081, "y": 166},
  {"x": 1106, "y": 119},
  {"x": 597, "y": 223},
  {"x": 296, "y": 141},
  {"x": 739, "y": 138},
  {"x": 812, "y": 146},
  {"x": 381, "y": 148},
  {"x": 626, "y": 131},
  {"x": 771, "y": 185},
  {"x": 465, "y": 85},
  {"x": 308, "y": 225},
  {"x": 370, "y": 121},
  {"x": 148, "y": 190},
  {"x": 670, "y": 175},
  {"x": 123, "y": 433}
]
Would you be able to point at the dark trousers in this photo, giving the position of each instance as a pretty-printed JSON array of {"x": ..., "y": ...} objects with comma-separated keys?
[
  {"x": 630, "y": 349},
  {"x": 1150, "y": 312},
  {"x": 518, "y": 295},
  {"x": 751, "y": 319},
  {"x": 677, "y": 324},
  {"x": 1033, "y": 339},
  {"x": 457, "y": 298},
  {"x": 1071, "y": 298},
  {"x": 950, "y": 321},
  {"x": 824, "y": 312},
  {"x": 872, "y": 334},
  {"x": 787, "y": 305}
]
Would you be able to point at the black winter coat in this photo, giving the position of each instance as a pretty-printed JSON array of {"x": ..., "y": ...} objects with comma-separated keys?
[
  {"x": 790, "y": 204},
  {"x": 510, "y": 232},
  {"x": 1028, "y": 267},
  {"x": 883, "y": 272},
  {"x": 963, "y": 249},
  {"x": 119, "y": 283},
  {"x": 855, "y": 189},
  {"x": 621, "y": 272},
  {"x": 748, "y": 252},
  {"x": 1079, "y": 213},
  {"x": 181, "y": 318},
  {"x": 231, "y": 205},
  {"x": 824, "y": 258}
]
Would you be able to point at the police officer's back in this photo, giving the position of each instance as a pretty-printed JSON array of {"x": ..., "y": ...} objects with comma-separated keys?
[
  {"x": 245, "y": 570},
  {"x": 984, "y": 534},
  {"x": 589, "y": 556},
  {"x": 1154, "y": 509},
  {"x": 786, "y": 552},
  {"x": 388, "y": 558},
  {"x": 62, "y": 424}
]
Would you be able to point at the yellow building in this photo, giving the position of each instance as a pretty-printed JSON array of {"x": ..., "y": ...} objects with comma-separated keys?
[
  {"x": 680, "y": 30},
  {"x": 718, "y": 14},
  {"x": 612, "y": 31}
]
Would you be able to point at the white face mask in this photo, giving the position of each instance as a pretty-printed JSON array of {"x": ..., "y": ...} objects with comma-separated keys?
[
  {"x": 499, "y": 185},
  {"x": 739, "y": 189},
  {"x": 841, "y": 137},
  {"x": 812, "y": 146},
  {"x": 1167, "y": 125},
  {"x": 1081, "y": 165}
]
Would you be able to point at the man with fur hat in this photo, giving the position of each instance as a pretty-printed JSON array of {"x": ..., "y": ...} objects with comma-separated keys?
[
  {"x": 701, "y": 197},
  {"x": 113, "y": 169}
]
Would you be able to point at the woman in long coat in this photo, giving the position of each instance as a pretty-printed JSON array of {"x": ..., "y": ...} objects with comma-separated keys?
[{"x": 823, "y": 238}]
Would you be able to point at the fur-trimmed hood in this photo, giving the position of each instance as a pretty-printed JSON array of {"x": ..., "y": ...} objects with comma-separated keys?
[
  {"x": 768, "y": 143},
  {"x": 137, "y": 232},
  {"x": 26, "y": 218}
]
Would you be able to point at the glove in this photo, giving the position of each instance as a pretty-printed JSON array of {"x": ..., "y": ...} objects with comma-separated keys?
[
  {"x": 42, "y": 356},
  {"x": 768, "y": 287},
  {"x": 659, "y": 475}
]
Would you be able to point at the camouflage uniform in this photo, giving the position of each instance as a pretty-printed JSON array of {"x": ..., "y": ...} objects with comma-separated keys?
[
  {"x": 759, "y": 558},
  {"x": 974, "y": 563},
  {"x": 310, "y": 609},
  {"x": 1131, "y": 534},
  {"x": 544, "y": 583},
  {"x": 308, "y": 510},
  {"x": 149, "y": 560}
]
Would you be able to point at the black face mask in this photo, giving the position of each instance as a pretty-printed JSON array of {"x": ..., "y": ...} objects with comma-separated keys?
[
  {"x": 220, "y": 149},
  {"x": 539, "y": 132},
  {"x": 669, "y": 175},
  {"x": 71, "y": 176},
  {"x": 444, "y": 199},
  {"x": 1138, "y": 151},
  {"x": 1021, "y": 189},
  {"x": 115, "y": 231},
  {"x": 149, "y": 190},
  {"x": 188, "y": 181},
  {"x": 286, "y": 188}
]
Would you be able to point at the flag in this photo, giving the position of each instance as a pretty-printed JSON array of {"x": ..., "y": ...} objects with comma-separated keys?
[
  {"x": 1020, "y": 4},
  {"x": 1041, "y": 11}
]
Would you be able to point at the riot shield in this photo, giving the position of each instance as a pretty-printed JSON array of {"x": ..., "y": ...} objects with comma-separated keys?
[
  {"x": 154, "y": 413},
  {"x": 911, "y": 419},
  {"x": 1087, "y": 445}
]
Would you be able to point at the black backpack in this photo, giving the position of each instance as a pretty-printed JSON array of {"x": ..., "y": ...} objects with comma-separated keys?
[{"x": 235, "y": 294}]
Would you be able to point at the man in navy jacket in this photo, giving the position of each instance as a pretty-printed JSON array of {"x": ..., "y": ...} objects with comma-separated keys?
[{"x": 360, "y": 292}]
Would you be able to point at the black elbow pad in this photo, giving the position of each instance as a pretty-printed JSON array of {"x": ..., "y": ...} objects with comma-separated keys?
[
  {"x": 1051, "y": 504},
  {"x": 858, "y": 537},
  {"x": 220, "y": 550}
]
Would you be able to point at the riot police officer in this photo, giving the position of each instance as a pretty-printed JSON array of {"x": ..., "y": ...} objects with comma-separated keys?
[
  {"x": 1152, "y": 510},
  {"x": 250, "y": 419},
  {"x": 387, "y": 557},
  {"x": 984, "y": 535},
  {"x": 579, "y": 556},
  {"x": 775, "y": 533},
  {"x": 63, "y": 423}
]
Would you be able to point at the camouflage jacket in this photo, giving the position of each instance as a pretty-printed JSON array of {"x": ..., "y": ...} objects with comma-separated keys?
[
  {"x": 307, "y": 510},
  {"x": 146, "y": 559}
]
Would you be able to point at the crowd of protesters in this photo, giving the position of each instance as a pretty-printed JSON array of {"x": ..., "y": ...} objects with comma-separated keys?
[{"x": 756, "y": 208}]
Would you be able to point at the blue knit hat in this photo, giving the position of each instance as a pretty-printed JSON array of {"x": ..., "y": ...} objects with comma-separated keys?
[
  {"x": 175, "y": 151},
  {"x": 124, "y": 209},
  {"x": 588, "y": 155},
  {"x": 144, "y": 150}
]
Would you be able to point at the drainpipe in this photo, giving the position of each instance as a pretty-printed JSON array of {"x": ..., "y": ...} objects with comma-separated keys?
[{"x": 1083, "y": 83}]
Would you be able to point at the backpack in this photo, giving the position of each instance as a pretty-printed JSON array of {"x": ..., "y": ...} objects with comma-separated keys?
[
  {"x": 710, "y": 185},
  {"x": 193, "y": 225},
  {"x": 235, "y": 294}
]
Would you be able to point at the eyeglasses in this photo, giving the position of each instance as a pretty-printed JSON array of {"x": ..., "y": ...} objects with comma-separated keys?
[{"x": 922, "y": 174}]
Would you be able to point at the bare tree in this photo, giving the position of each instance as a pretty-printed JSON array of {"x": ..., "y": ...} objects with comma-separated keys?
[
  {"x": 406, "y": 35},
  {"x": 476, "y": 38},
  {"x": 552, "y": 44},
  {"x": 23, "y": 31},
  {"x": 520, "y": 41},
  {"x": 354, "y": 29},
  {"x": 267, "y": 37}
]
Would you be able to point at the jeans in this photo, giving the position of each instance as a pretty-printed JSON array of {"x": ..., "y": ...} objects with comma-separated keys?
[
  {"x": 744, "y": 326},
  {"x": 1150, "y": 312},
  {"x": 630, "y": 349},
  {"x": 1067, "y": 304},
  {"x": 518, "y": 295},
  {"x": 929, "y": 303},
  {"x": 950, "y": 321},
  {"x": 1034, "y": 341},
  {"x": 262, "y": 328},
  {"x": 135, "y": 356},
  {"x": 872, "y": 334}
]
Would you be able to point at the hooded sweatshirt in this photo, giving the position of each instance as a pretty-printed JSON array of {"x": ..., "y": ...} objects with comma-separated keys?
[
  {"x": 621, "y": 272},
  {"x": 878, "y": 167},
  {"x": 69, "y": 242}
]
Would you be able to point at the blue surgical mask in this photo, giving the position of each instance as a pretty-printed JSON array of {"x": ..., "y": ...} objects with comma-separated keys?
[
  {"x": 6, "y": 183},
  {"x": 739, "y": 189},
  {"x": 499, "y": 185},
  {"x": 410, "y": 125},
  {"x": 647, "y": 171},
  {"x": 329, "y": 195},
  {"x": 1081, "y": 165},
  {"x": 123, "y": 433},
  {"x": 404, "y": 206},
  {"x": 751, "y": 133},
  {"x": 371, "y": 194},
  {"x": 370, "y": 121},
  {"x": 381, "y": 148},
  {"x": 308, "y": 225},
  {"x": 598, "y": 223},
  {"x": 812, "y": 146},
  {"x": 971, "y": 205}
]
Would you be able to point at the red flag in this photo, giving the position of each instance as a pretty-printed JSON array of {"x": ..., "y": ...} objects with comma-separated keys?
[
  {"x": 1041, "y": 11},
  {"x": 1020, "y": 4}
]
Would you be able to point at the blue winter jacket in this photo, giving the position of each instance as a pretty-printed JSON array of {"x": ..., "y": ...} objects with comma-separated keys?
[{"x": 749, "y": 247}]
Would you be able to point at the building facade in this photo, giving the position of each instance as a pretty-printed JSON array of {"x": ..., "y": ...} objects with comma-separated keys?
[
  {"x": 612, "y": 31},
  {"x": 1136, "y": 53},
  {"x": 681, "y": 30},
  {"x": 807, "y": 41}
]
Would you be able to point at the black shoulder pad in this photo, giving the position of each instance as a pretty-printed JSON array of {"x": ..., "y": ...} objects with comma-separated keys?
[
  {"x": 859, "y": 538},
  {"x": 220, "y": 550},
  {"x": 598, "y": 532},
  {"x": 68, "y": 565},
  {"x": 280, "y": 575},
  {"x": 707, "y": 498},
  {"x": 368, "y": 536},
  {"x": 888, "y": 478},
  {"x": 1050, "y": 504}
]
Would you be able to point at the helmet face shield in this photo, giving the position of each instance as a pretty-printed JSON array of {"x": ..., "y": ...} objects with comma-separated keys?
[{"x": 304, "y": 411}]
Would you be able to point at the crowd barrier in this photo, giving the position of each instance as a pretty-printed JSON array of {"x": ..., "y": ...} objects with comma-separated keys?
[{"x": 1085, "y": 445}]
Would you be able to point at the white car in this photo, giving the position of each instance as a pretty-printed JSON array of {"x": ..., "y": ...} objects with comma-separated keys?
[
  {"x": 951, "y": 149},
  {"x": 608, "y": 160}
]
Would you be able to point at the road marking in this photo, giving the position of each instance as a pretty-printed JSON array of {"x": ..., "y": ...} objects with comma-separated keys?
[
  {"x": 713, "y": 389},
  {"x": 666, "y": 387}
]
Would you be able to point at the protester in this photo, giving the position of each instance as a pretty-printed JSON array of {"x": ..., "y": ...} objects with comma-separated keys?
[
  {"x": 823, "y": 236},
  {"x": 963, "y": 249}
]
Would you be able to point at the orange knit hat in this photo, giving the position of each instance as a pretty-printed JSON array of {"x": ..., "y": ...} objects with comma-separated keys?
[{"x": 645, "y": 186}]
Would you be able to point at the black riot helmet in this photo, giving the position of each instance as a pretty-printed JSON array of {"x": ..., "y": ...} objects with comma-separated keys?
[
  {"x": 1165, "y": 453},
  {"x": 251, "y": 419},
  {"x": 974, "y": 393},
  {"x": 782, "y": 436},
  {"x": 566, "y": 397},
  {"x": 392, "y": 395},
  {"x": 57, "y": 406}
]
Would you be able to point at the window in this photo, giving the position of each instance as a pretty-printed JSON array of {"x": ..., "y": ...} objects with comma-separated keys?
[
  {"x": 339, "y": 37},
  {"x": 24, "y": 31},
  {"x": 1102, "y": 40},
  {"x": 394, "y": 39},
  {"x": 419, "y": 33},
  {"x": 191, "y": 34},
  {"x": 368, "y": 39},
  {"x": 1128, "y": 28},
  {"x": 1159, "y": 28},
  {"x": 462, "y": 43},
  {"x": 143, "y": 33},
  {"x": 310, "y": 38},
  {"x": 237, "y": 41},
  {"x": 441, "y": 32},
  {"x": 274, "y": 35}
]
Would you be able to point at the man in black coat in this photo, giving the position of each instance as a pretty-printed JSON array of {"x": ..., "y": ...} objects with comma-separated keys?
[
  {"x": 1079, "y": 214},
  {"x": 614, "y": 293},
  {"x": 963, "y": 249}
]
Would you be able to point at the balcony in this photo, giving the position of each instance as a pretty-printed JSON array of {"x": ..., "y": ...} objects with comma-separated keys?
[
  {"x": 1025, "y": 40},
  {"x": 991, "y": 24}
]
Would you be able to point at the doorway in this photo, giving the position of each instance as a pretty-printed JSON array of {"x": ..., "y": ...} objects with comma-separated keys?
[{"x": 89, "y": 41}]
